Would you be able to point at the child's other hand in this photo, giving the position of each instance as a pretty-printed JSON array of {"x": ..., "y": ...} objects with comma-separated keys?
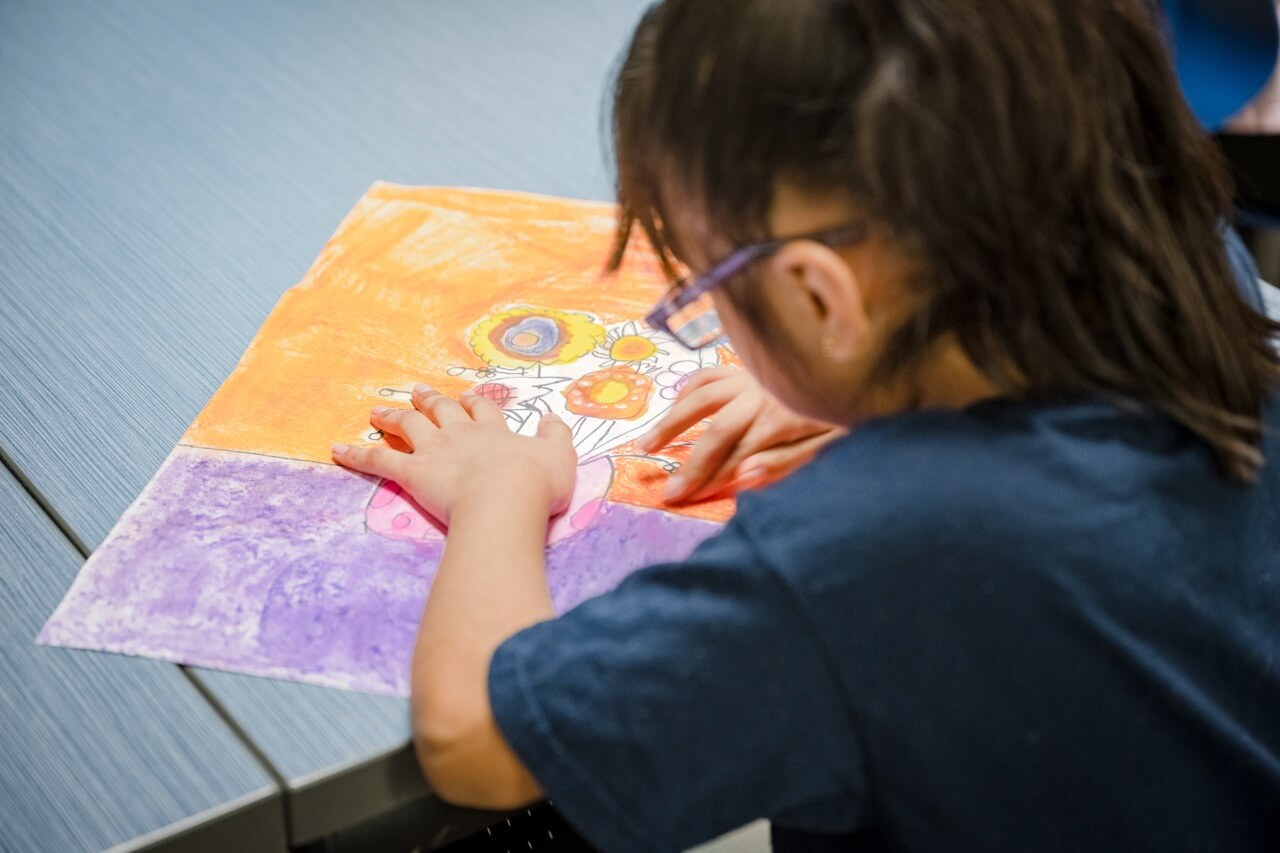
[
  {"x": 461, "y": 450},
  {"x": 752, "y": 437}
]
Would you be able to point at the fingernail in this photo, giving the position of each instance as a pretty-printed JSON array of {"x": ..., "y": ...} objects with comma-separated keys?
[
  {"x": 380, "y": 410},
  {"x": 553, "y": 417},
  {"x": 751, "y": 479},
  {"x": 675, "y": 488},
  {"x": 421, "y": 388},
  {"x": 339, "y": 449},
  {"x": 645, "y": 441}
]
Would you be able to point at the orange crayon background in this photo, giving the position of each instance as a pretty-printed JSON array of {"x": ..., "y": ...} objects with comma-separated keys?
[{"x": 387, "y": 305}]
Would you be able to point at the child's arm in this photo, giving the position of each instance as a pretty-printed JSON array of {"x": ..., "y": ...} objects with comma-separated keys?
[{"x": 496, "y": 491}]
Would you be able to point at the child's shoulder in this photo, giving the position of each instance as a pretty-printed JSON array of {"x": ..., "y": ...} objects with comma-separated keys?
[
  {"x": 916, "y": 464},
  {"x": 1000, "y": 476}
]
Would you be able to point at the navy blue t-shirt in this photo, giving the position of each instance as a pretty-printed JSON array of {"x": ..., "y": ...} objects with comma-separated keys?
[{"x": 1020, "y": 626}]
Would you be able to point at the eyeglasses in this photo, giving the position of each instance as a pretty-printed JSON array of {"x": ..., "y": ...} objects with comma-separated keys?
[{"x": 687, "y": 312}]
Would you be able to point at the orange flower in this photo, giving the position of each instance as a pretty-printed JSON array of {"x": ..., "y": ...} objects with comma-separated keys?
[{"x": 616, "y": 393}]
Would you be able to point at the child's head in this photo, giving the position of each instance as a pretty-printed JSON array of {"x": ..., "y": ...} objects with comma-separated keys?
[{"x": 1041, "y": 208}]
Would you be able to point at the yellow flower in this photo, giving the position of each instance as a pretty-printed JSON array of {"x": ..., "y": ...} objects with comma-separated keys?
[
  {"x": 632, "y": 348},
  {"x": 625, "y": 344},
  {"x": 522, "y": 335}
]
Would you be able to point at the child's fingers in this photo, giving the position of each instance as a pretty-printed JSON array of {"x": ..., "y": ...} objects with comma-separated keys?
[
  {"x": 440, "y": 409},
  {"x": 763, "y": 455},
  {"x": 481, "y": 409},
  {"x": 710, "y": 451},
  {"x": 378, "y": 461},
  {"x": 687, "y": 411},
  {"x": 706, "y": 376},
  {"x": 729, "y": 469},
  {"x": 731, "y": 466},
  {"x": 412, "y": 426},
  {"x": 553, "y": 428},
  {"x": 749, "y": 467},
  {"x": 773, "y": 464}
]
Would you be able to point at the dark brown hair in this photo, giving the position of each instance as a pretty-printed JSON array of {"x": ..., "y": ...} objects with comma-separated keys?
[{"x": 1036, "y": 158}]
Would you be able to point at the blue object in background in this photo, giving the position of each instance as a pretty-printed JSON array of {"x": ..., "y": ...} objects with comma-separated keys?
[{"x": 1224, "y": 51}]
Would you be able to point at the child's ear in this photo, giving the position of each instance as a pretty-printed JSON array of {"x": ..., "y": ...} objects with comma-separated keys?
[{"x": 825, "y": 295}]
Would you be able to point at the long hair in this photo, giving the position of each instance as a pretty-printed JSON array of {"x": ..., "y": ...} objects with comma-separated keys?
[{"x": 1036, "y": 158}]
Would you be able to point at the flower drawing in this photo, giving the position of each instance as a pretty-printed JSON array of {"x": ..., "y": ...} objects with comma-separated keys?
[
  {"x": 522, "y": 336},
  {"x": 618, "y": 393},
  {"x": 627, "y": 344},
  {"x": 609, "y": 383}
]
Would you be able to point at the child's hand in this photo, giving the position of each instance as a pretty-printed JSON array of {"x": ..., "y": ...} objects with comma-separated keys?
[
  {"x": 752, "y": 438},
  {"x": 462, "y": 450}
]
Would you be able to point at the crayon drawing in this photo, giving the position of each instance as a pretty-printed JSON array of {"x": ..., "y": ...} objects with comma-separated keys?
[{"x": 250, "y": 551}]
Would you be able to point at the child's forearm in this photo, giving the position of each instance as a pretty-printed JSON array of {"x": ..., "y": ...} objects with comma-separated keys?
[
  {"x": 491, "y": 583},
  {"x": 497, "y": 490}
]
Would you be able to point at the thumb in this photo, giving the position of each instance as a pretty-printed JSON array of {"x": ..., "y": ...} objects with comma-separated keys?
[{"x": 553, "y": 428}]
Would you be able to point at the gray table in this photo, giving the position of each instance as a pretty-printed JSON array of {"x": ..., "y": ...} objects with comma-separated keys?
[
  {"x": 167, "y": 169},
  {"x": 101, "y": 750}
]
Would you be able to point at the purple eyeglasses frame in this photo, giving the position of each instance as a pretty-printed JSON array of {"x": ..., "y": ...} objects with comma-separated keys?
[{"x": 689, "y": 289}]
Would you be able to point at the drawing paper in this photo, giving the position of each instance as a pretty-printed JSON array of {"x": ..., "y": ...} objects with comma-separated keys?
[{"x": 251, "y": 551}]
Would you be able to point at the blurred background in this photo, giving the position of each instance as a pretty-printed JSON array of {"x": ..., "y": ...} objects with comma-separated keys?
[
  {"x": 167, "y": 169},
  {"x": 1225, "y": 52}
]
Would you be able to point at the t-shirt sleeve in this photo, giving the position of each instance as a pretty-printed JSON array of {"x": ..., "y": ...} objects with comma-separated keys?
[
  {"x": 687, "y": 702},
  {"x": 1243, "y": 268}
]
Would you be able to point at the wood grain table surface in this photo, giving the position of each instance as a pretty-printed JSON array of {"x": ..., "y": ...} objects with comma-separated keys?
[
  {"x": 168, "y": 168},
  {"x": 102, "y": 750}
]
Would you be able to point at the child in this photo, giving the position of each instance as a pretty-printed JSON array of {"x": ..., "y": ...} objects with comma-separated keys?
[{"x": 1031, "y": 601}]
